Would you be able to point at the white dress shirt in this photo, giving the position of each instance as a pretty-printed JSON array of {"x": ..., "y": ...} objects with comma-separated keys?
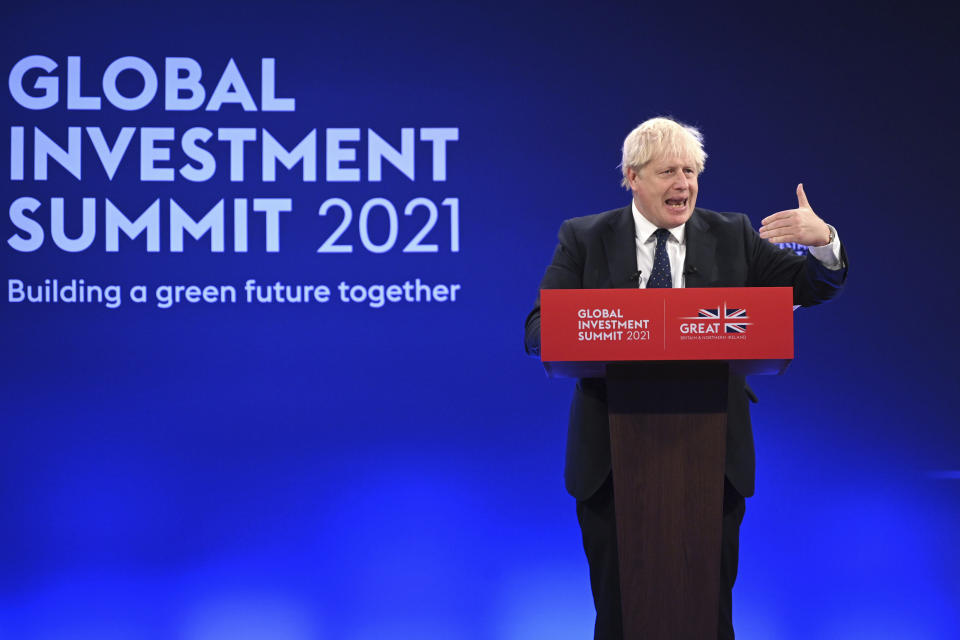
[{"x": 828, "y": 255}]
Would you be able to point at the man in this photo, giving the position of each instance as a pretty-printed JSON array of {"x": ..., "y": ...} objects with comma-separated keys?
[{"x": 663, "y": 240}]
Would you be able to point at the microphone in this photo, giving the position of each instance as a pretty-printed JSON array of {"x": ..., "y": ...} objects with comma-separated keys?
[
  {"x": 690, "y": 270},
  {"x": 635, "y": 276}
]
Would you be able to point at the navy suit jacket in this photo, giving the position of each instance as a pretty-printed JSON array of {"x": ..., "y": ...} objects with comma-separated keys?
[{"x": 722, "y": 250}]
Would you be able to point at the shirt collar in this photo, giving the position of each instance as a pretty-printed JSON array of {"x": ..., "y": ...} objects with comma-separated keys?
[{"x": 645, "y": 228}]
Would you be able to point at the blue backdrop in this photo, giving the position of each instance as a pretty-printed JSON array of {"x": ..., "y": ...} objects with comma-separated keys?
[{"x": 287, "y": 471}]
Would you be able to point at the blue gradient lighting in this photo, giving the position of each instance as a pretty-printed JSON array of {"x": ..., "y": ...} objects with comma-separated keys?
[{"x": 345, "y": 471}]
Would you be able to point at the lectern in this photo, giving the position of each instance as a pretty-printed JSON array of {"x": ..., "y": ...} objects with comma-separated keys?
[{"x": 666, "y": 355}]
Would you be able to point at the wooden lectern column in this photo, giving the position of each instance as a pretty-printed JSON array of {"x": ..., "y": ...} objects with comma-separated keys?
[{"x": 668, "y": 423}]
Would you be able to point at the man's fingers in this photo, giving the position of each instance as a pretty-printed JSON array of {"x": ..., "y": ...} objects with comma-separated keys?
[
  {"x": 777, "y": 224},
  {"x": 777, "y": 229},
  {"x": 767, "y": 234},
  {"x": 779, "y": 239},
  {"x": 779, "y": 215},
  {"x": 799, "y": 225}
]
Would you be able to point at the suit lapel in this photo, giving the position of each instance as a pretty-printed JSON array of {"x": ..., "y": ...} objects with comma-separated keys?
[
  {"x": 700, "y": 265},
  {"x": 620, "y": 243}
]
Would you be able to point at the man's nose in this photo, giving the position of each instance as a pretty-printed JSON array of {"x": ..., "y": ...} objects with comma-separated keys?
[{"x": 681, "y": 182}]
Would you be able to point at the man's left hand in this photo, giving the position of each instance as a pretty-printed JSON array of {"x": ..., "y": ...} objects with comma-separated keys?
[{"x": 800, "y": 225}]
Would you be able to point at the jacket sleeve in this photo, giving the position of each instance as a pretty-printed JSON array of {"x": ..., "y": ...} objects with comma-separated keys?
[
  {"x": 771, "y": 266},
  {"x": 564, "y": 272}
]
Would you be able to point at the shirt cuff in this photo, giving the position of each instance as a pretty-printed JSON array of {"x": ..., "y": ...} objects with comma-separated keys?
[{"x": 829, "y": 254}]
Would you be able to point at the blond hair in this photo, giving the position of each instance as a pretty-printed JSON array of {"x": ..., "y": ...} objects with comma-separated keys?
[{"x": 661, "y": 137}]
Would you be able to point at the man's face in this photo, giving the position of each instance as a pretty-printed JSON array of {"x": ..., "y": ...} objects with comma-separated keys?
[{"x": 665, "y": 190}]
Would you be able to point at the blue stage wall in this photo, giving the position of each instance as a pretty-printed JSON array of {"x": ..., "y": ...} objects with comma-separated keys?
[{"x": 393, "y": 470}]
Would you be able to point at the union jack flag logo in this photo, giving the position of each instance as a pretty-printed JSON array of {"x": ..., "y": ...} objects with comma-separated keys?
[{"x": 733, "y": 319}]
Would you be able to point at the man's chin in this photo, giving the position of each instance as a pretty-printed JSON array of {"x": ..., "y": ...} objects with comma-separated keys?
[{"x": 677, "y": 218}]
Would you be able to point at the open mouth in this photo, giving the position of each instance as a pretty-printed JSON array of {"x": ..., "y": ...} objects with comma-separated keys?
[{"x": 676, "y": 204}]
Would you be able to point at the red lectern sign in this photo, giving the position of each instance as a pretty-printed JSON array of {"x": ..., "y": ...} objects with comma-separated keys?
[{"x": 609, "y": 325}]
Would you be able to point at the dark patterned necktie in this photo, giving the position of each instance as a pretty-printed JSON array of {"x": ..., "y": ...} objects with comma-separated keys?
[{"x": 661, "y": 278}]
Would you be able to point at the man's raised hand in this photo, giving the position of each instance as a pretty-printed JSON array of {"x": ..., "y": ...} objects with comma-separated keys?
[{"x": 800, "y": 225}]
